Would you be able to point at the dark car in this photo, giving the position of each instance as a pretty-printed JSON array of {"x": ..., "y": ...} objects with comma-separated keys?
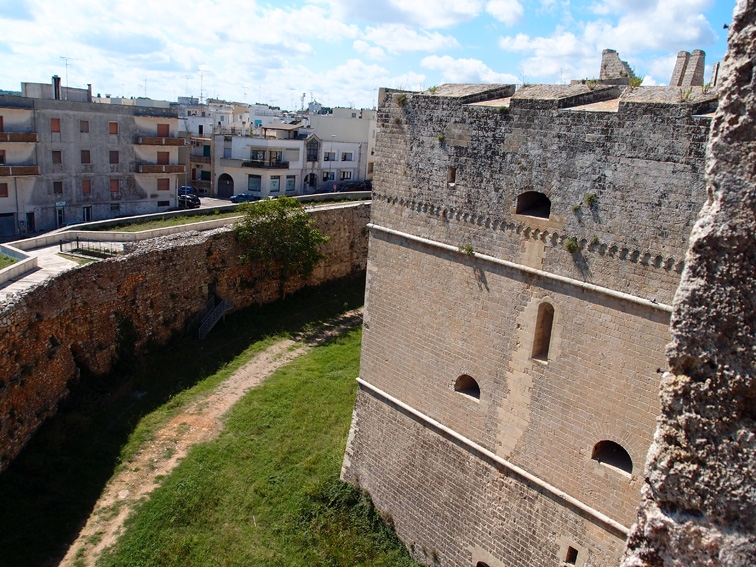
[
  {"x": 352, "y": 186},
  {"x": 244, "y": 198},
  {"x": 187, "y": 190},
  {"x": 188, "y": 202}
]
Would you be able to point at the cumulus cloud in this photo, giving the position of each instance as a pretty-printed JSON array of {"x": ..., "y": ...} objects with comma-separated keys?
[
  {"x": 369, "y": 51},
  {"x": 396, "y": 38},
  {"x": 429, "y": 15},
  {"x": 465, "y": 70},
  {"x": 564, "y": 55},
  {"x": 508, "y": 11}
]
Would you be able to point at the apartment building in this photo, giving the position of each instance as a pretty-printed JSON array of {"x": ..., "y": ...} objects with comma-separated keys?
[{"x": 65, "y": 159}]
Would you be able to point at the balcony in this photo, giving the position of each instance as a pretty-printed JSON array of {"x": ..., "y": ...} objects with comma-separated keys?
[
  {"x": 265, "y": 164},
  {"x": 158, "y": 141},
  {"x": 18, "y": 137},
  {"x": 155, "y": 168},
  {"x": 18, "y": 170},
  {"x": 199, "y": 159}
]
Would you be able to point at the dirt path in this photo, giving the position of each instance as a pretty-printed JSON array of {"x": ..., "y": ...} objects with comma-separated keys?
[{"x": 197, "y": 423}]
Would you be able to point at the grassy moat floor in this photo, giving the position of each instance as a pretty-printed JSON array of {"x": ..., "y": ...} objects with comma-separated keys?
[{"x": 266, "y": 491}]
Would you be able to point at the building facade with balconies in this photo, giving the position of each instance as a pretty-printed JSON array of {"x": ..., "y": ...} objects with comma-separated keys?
[{"x": 67, "y": 161}]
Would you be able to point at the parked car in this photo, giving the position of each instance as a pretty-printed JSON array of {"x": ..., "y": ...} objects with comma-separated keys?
[
  {"x": 244, "y": 198},
  {"x": 187, "y": 190},
  {"x": 352, "y": 186},
  {"x": 188, "y": 202}
]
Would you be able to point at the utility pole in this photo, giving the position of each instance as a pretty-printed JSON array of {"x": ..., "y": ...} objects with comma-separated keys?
[{"x": 67, "y": 59}]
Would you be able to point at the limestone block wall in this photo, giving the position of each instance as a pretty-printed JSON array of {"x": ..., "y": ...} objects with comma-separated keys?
[
  {"x": 89, "y": 317},
  {"x": 457, "y": 280}
]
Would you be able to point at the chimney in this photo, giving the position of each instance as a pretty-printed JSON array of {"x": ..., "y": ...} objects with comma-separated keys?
[
  {"x": 56, "y": 87},
  {"x": 89, "y": 92}
]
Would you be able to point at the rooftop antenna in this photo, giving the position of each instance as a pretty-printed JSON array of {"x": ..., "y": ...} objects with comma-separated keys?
[
  {"x": 145, "y": 87},
  {"x": 201, "y": 84},
  {"x": 67, "y": 59},
  {"x": 303, "y": 98},
  {"x": 187, "y": 84}
]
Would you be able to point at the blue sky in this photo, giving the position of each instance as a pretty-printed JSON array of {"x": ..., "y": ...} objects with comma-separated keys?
[{"x": 340, "y": 52}]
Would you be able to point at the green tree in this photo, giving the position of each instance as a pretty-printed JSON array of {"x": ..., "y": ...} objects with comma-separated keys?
[{"x": 281, "y": 237}]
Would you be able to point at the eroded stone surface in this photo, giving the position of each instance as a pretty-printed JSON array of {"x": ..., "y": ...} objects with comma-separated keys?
[{"x": 699, "y": 505}]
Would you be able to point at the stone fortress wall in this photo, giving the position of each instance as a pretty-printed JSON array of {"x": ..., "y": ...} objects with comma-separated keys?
[
  {"x": 498, "y": 368},
  {"x": 84, "y": 318}
]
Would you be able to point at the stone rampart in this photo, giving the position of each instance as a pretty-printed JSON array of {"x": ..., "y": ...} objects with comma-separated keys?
[
  {"x": 524, "y": 252},
  {"x": 88, "y": 317}
]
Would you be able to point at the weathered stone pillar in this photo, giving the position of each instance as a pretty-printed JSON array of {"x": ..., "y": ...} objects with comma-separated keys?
[{"x": 699, "y": 497}]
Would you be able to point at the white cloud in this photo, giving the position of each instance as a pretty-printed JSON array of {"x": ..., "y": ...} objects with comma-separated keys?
[
  {"x": 396, "y": 38},
  {"x": 561, "y": 57},
  {"x": 465, "y": 70},
  {"x": 429, "y": 15},
  {"x": 508, "y": 11},
  {"x": 371, "y": 52}
]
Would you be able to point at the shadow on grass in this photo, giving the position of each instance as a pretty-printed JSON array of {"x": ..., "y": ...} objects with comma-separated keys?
[{"x": 48, "y": 492}]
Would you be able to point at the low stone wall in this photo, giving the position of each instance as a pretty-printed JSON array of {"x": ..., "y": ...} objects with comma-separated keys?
[{"x": 88, "y": 318}]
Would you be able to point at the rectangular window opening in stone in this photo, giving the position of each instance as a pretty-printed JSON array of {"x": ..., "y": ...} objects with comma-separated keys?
[
  {"x": 115, "y": 185},
  {"x": 451, "y": 176},
  {"x": 57, "y": 187},
  {"x": 55, "y": 125},
  {"x": 57, "y": 156},
  {"x": 572, "y": 555},
  {"x": 542, "y": 336},
  {"x": 84, "y": 126},
  {"x": 86, "y": 186},
  {"x": 114, "y": 156},
  {"x": 113, "y": 128},
  {"x": 85, "y": 156}
]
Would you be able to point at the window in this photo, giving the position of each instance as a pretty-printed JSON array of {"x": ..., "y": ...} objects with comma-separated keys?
[
  {"x": 468, "y": 386},
  {"x": 87, "y": 213},
  {"x": 115, "y": 207},
  {"x": 85, "y": 157},
  {"x": 2, "y": 127},
  {"x": 346, "y": 175},
  {"x": 115, "y": 186},
  {"x": 2, "y": 157},
  {"x": 3, "y": 190},
  {"x": 163, "y": 158},
  {"x": 291, "y": 155},
  {"x": 572, "y": 555},
  {"x": 55, "y": 125},
  {"x": 370, "y": 167},
  {"x": 86, "y": 186},
  {"x": 329, "y": 175},
  {"x": 291, "y": 182},
  {"x": 451, "y": 175},
  {"x": 57, "y": 187},
  {"x": 254, "y": 182},
  {"x": 163, "y": 130},
  {"x": 84, "y": 126},
  {"x": 542, "y": 337},
  {"x": 275, "y": 157},
  {"x": 533, "y": 204},
  {"x": 346, "y": 156},
  {"x": 275, "y": 183},
  {"x": 612, "y": 455},
  {"x": 257, "y": 155},
  {"x": 114, "y": 156},
  {"x": 312, "y": 150},
  {"x": 164, "y": 204},
  {"x": 205, "y": 175},
  {"x": 163, "y": 184},
  {"x": 57, "y": 156},
  {"x": 329, "y": 156},
  {"x": 113, "y": 128}
]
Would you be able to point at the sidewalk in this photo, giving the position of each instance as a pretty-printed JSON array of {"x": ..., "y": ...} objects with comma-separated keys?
[{"x": 49, "y": 265}]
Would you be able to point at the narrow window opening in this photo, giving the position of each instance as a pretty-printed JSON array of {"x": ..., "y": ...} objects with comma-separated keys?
[
  {"x": 481, "y": 564},
  {"x": 467, "y": 385},
  {"x": 84, "y": 126},
  {"x": 115, "y": 186},
  {"x": 86, "y": 186},
  {"x": 57, "y": 187},
  {"x": 451, "y": 175},
  {"x": 85, "y": 156},
  {"x": 2, "y": 157},
  {"x": 57, "y": 156},
  {"x": 533, "y": 204},
  {"x": 114, "y": 156},
  {"x": 572, "y": 555},
  {"x": 612, "y": 455},
  {"x": 55, "y": 125},
  {"x": 542, "y": 338},
  {"x": 113, "y": 128},
  {"x": 3, "y": 190}
]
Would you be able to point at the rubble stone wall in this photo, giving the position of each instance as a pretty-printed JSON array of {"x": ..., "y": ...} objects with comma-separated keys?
[{"x": 86, "y": 317}]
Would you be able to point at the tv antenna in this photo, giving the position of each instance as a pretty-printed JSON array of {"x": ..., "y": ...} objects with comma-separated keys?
[{"x": 67, "y": 59}]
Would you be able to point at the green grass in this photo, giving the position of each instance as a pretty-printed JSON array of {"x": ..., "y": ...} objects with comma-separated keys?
[
  {"x": 6, "y": 261},
  {"x": 169, "y": 222},
  {"x": 49, "y": 490},
  {"x": 266, "y": 492}
]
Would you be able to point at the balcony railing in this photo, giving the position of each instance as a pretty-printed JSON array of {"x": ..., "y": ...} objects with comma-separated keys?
[
  {"x": 17, "y": 170},
  {"x": 199, "y": 159},
  {"x": 18, "y": 137},
  {"x": 159, "y": 141},
  {"x": 265, "y": 164},
  {"x": 155, "y": 168}
]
